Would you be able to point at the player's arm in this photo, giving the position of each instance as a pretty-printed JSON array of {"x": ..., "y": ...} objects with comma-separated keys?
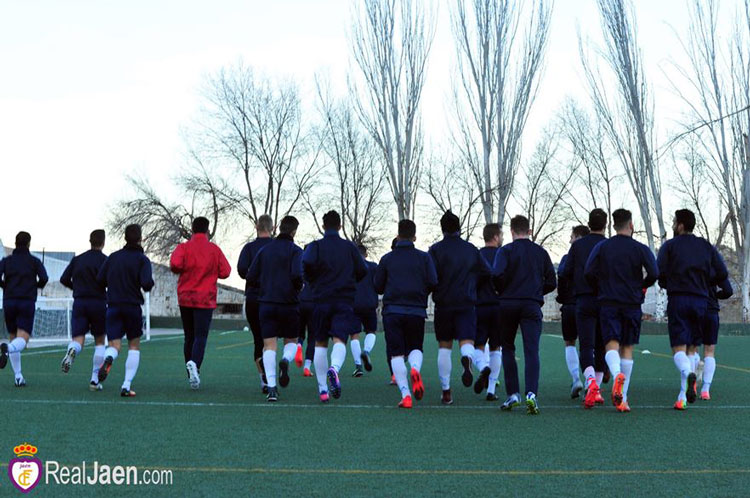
[
  {"x": 41, "y": 275},
  {"x": 380, "y": 277},
  {"x": 67, "y": 276},
  {"x": 499, "y": 269},
  {"x": 432, "y": 278},
  {"x": 146, "y": 276},
  {"x": 719, "y": 271},
  {"x": 725, "y": 290},
  {"x": 566, "y": 270},
  {"x": 482, "y": 269},
  {"x": 310, "y": 262},
  {"x": 649, "y": 264},
  {"x": 253, "y": 273},
  {"x": 296, "y": 270},
  {"x": 360, "y": 267},
  {"x": 177, "y": 260},
  {"x": 243, "y": 262},
  {"x": 101, "y": 277},
  {"x": 591, "y": 269},
  {"x": 225, "y": 269},
  {"x": 662, "y": 263},
  {"x": 550, "y": 279}
]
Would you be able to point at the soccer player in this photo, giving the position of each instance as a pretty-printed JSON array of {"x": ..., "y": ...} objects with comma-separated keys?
[
  {"x": 711, "y": 334},
  {"x": 124, "y": 274},
  {"x": 264, "y": 227},
  {"x": 460, "y": 268},
  {"x": 587, "y": 311},
  {"x": 21, "y": 275},
  {"x": 333, "y": 266},
  {"x": 306, "y": 307},
  {"x": 405, "y": 277},
  {"x": 567, "y": 299},
  {"x": 488, "y": 317},
  {"x": 616, "y": 269},
  {"x": 688, "y": 267},
  {"x": 89, "y": 305},
  {"x": 365, "y": 308},
  {"x": 199, "y": 264},
  {"x": 277, "y": 273},
  {"x": 523, "y": 274}
]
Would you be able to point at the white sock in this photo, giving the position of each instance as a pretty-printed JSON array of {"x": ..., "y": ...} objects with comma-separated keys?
[
  {"x": 269, "y": 365},
  {"x": 589, "y": 375},
  {"x": 487, "y": 353},
  {"x": 321, "y": 367},
  {"x": 571, "y": 358},
  {"x": 308, "y": 363},
  {"x": 695, "y": 358},
  {"x": 709, "y": 367},
  {"x": 444, "y": 367},
  {"x": 131, "y": 367},
  {"x": 15, "y": 362},
  {"x": 110, "y": 351},
  {"x": 612, "y": 357},
  {"x": 599, "y": 378},
  {"x": 627, "y": 369},
  {"x": 289, "y": 351},
  {"x": 467, "y": 350},
  {"x": 97, "y": 362},
  {"x": 338, "y": 355},
  {"x": 415, "y": 359},
  {"x": 478, "y": 359},
  {"x": 399, "y": 372},
  {"x": 682, "y": 362},
  {"x": 356, "y": 351},
  {"x": 74, "y": 346},
  {"x": 370, "y": 342},
  {"x": 496, "y": 364},
  {"x": 16, "y": 345}
]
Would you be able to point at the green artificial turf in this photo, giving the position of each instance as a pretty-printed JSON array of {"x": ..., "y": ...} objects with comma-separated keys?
[{"x": 225, "y": 439}]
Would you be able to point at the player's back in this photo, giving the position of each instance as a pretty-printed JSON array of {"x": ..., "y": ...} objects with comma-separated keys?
[
  {"x": 689, "y": 265},
  {"x": 22, "y": 274},
  {"x": 405, "y": 276},
  {"x": 579, "y": 253},
  {"x": 81, "y": 275},
  {"x": 125, "y": 273},
  {"x": 619, "y": 264},
  {"x": 365, "y": 296},
  {"x": 486, "y": 293},
  {"x": 333, "y": 266},
  {"x": 277, "y": 271},
  {"x": 523, "y": 270},
  {"x": 459, "y": 267},
  {"x": 247, "y": 255},
  {"x": 565, "y": 293}
]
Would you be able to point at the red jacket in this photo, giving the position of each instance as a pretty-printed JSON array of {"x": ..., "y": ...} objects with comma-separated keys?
[{"x": 199, "y": 263}]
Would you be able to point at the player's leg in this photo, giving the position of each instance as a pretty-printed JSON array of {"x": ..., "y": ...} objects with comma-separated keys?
[
  {"x": 343, "y": 324},
  {"x": 79, "y": 325},
  {"x": 679, "y": 338},
  {"x": 611, "y": 329},
  {"x": 414, "y": 340},
  {"x": 253, "y": 320},
  {"x": 496, "y": 355},
  {"x": 19, "y": 319},
  {"x": 444, "y": 333},
  {"x": 396, "y": 343},
  {"x": 586, "y": 323},
  {"x": 710, "y": 338},
  {"x": 98, "y": 320},
  {"x": 321, "y": 325},
  {"x": 465, "y": 325},
  {"x": 201, "y": 326},
  {"x": 115, "y": 333},
  {"x": 133, "y": 319},
  {"x": 484, "y": 320},
  {"x": 356, "y": 349},
  {"x": 570, "y": 336},
  {"x": 269, "y": 327},
  {"x": 370, "y": 323},
  {"x": 187, "y": 315},
  {"x": 509, "y": 321},
  {"x": 531, "y": 331},
  {"x": 289, "y": 325},
  {"x": 306, "y": 330},
  {"x": 18, "y": 342}
]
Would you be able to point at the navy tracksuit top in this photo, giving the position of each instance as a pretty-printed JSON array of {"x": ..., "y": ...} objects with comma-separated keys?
[
  {"x": 21, "y": 274},
  {"x": 333, "y": 266},
  {"x": 405, "y": 277},
  {"x": 247, "y": 255},
  {"x": 80, "y": 275},
  {"x": 486, "y": 293},
  {"x": 565, "y": 294},
  {"x": 276, "y": 271},
  {"x": 365, "y": 297},
  {"x": 460, "y": 269},
  {"x": 124, "y": 274},
  {"x": 523, "y": 271},
  {"x": 690, "y": 265},
  {"x": 575, "y": 263}
]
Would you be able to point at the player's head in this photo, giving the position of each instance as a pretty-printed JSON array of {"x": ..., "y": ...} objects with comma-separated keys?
[
  {"x": 264, "y": 225},
  {"x": 622, "y": 222},
  {"x": 519, "y": 227},
  {"x": 492, "y": 234},
  {"x": 289, "y": 226},
  {"x": 450, "y": 223},
  {"x": 97, "y": 239},
  {"x": 133, "y": 234},
  {"x": 407, "y": 230},
  {"x": 362, "y": 249},
  {"x": 200, "y": 225},
  {"x": 23, "y": 240},
  {"x": 684, "y": 222},
  {"x": 332, "y": 221},
  {"x": 578, "y": 232},
  {"x": 597, "y": 220}
]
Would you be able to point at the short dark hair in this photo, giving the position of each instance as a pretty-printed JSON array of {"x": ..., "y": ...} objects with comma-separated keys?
[
  {"x": 288, "y": 225},
  {"x": 407, "y": 229},
  {"x": 621, "y": 218},
  {"x": 133, "y": 234},
  {"x": 200, "y": 225},
  {"x": 490, "y": 231},
  {"x": 23, "y": 240},
  {"x": 450, "y": 223},
  {"x": 331, "y": 219},
  {"x": 362, "y": 249},
  {"x": 597, "y": 219},
  {"x": 97, "y": 238},
  {"x": 686, "y": 218},
  {"x": 581, "y": 231},
  {"x": 519, "y": 224}
]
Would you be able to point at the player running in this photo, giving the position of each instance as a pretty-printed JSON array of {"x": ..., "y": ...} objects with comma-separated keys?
[
  {"x": 405, "y": 277},
  {"x": 277, "y": 273},
  {"x": 21, "y": 275},
  {"x": 711, "y": 335},
  {"x": 199, "y": 264},
  {"x": 488, "y": 318},
  {"x": 616, "y": 269},
  {"x": 523, "y": 274},
  {"x": 89, "y": 305},
  {"x": 365, "y": 308},
  {"x": 688, "y": 267},
  {"x": 263, "y": 227},
  {"x": 124, "y": 274},
  {"x": 460, "y": 268},
  {"x": 567, "y": 299},
  {"x": 333, "y": 266},
  {"x": 306, "y": 307}
]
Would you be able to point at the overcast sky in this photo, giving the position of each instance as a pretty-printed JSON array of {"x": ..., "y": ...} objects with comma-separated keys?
[{"x": 91, "y": 90}]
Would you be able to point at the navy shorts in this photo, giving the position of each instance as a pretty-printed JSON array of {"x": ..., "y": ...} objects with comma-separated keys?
[
  {"x": 620, "y": 324},
  {"x": 124, "y": 320},
  {"x": 89, "y": 315},
  {"x": 459, "y": 324},
  {"x": 305, "y": 316},
  {"x": 488, "y": 326},
  {"x": 19, "y": 314},
  {"x": 710, "y": 328},
  {"x": 403, "y": 333},
  {"x": 568, "y": 322},
  {"x": 334, "y": 320},
  {"x": 685, "y": 317},
  {"x": 279, "y": 320},
  {"x": 368, "y": 319}
]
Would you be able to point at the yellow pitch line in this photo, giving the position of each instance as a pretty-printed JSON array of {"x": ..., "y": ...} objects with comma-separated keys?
[{"x": 235, "y": 345}]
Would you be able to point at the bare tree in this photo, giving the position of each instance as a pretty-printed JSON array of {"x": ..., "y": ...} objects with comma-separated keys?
[
  {"x": 693, "y": 184},
  {"x": 627, "y": 117},
  {"x": 500, "y": 58},
  {"x": 391, "y": 41}
]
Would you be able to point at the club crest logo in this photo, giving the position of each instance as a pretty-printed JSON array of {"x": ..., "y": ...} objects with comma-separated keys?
[{"x": 25, "y": 470}]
